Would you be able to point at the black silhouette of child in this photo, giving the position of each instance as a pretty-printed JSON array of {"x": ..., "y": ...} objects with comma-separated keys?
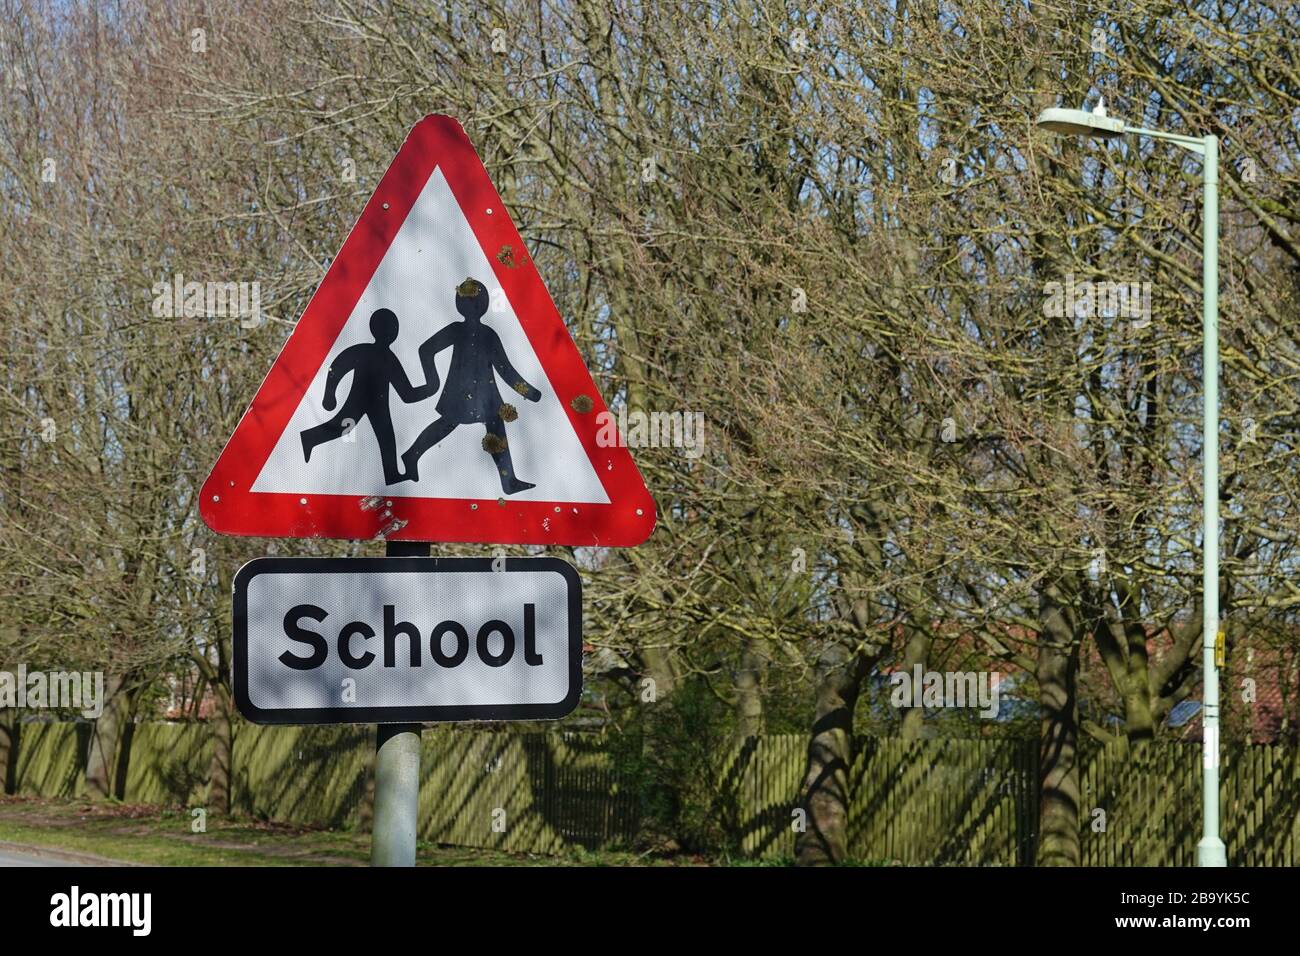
[
  {"x": 375, "y": 369},
  {"x": 470, "y": 394}
]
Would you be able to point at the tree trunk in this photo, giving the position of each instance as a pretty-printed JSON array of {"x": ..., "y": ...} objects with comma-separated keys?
[
  {"x": 105, "y": 734},
  {"x": 366, "y": 811},
  {"x": 1058, "y": 765},
  {"x": 9, "y": 730},
  {"x": 916, "y": 652},
  {"x": 1137, "y": 685},
  {"x": 749, "y": 691},
  {"x": 223, "y": 751},
  {"x": 659, "y": 795},
  {"x": 825, "y": 838},
  {"x": 1139, "y": 717}
]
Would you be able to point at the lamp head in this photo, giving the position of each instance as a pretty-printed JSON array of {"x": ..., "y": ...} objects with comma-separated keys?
[{"x": 1095, "y": 125}]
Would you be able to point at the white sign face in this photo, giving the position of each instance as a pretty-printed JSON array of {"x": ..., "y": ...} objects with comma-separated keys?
[
  {"x": 418, "y": 279},
  {"x": 386, "y": 640}
]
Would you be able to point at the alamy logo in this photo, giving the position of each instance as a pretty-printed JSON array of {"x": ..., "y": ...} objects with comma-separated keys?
[
  {"x": 133, "y": 910},
  {"x": 191, "y": 300},
  {"x": 946, "y": 689},
  {"x": 70, "y": 690},
  {"x": 683, "y": 430},
  {"x": 1086, "y": 298}
]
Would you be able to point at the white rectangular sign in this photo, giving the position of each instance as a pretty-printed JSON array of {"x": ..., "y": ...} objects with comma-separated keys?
[{"x": 389, "y": 640}]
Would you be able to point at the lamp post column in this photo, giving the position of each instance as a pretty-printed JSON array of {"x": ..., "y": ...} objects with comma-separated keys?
[{"x": 1210, "y": 851}]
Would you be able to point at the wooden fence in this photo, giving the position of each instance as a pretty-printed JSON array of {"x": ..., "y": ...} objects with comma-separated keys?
[
  {"x": 962, "y": 802},
  {"x": 1149, "y": 804}
]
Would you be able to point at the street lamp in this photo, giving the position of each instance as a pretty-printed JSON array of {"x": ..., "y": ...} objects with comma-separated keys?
[{"x": 1097, "y": 125}]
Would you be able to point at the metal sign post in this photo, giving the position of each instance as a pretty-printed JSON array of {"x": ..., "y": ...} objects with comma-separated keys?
[
  {"x": 397, "y": 795},
  {"x": 397, "y": 771}
]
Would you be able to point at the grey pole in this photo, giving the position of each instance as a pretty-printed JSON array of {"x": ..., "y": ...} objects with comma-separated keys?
[
  {"x": 1210, "y": 851},
  {"x": 397, "y": 773},
  {"x": 397, "y": 793}
]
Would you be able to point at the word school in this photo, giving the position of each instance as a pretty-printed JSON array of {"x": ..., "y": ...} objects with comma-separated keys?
[{"x": 393, "y": 629}]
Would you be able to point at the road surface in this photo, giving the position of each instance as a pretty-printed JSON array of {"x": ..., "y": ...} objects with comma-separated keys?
[{"x": 11, "y": 857}]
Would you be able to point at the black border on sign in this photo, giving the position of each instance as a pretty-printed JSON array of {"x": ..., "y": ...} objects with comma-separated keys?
[{"x": 402, "y": 715}]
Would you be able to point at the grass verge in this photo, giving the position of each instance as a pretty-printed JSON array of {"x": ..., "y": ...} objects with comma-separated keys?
[{"x": 163, "y": 836}]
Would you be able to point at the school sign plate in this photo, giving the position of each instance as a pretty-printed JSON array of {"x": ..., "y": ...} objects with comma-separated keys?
[{"x": 387, "y": 640}]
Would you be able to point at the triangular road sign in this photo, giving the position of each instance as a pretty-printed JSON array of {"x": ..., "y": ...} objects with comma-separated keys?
[{"x": 430, "y": 391}]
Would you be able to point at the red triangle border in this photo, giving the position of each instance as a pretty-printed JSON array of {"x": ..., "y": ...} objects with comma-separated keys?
[{"x": 227, "y": 504}]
